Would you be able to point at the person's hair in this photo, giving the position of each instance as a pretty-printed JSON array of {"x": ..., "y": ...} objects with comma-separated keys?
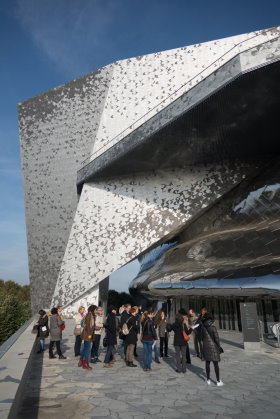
[
  {"x": 42, "y": 313},
  {"x": 92, "y": 308},
  {"x": 54, "y": 310},
  {"x": 111, "y": 308},
  {"x": 158, "y": 317},
  {"x": 203, "y": 309},
  {"x": 59, "y": 306},
  {"x": 99, "y": 308},
  {"x": 207, "y": 316},
  {"x": 183, "y": 312},
  {"x": 80, "y": 308},
  {"x": 150, "y": 311},
  {"x": 144, "y": 315},
  {"x": 127, "y": 305},
  {"x": 133, "y": 309},
  {"x": 179, "y": 317}
]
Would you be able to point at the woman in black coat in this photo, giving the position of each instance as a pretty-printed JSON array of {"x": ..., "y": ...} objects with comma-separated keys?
[
  {"x": 43, "y": 330},
  {"x": 180, "y": 344},
  {"x": 211, "y": 347},
  {"x": 131, "y": 338},
  {"x": 111, "y": 335}
]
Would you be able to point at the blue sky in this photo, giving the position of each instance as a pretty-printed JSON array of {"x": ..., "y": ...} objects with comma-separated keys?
[{"x": 45, "y": 43}]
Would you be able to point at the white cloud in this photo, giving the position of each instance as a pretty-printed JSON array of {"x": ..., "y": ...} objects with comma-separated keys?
[{"x": 69, "y": 32}]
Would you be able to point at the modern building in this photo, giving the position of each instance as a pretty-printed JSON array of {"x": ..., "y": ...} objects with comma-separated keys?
[{"x": 172, "y": 158}]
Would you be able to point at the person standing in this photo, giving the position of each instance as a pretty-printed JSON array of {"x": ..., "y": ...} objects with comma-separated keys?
[
  {"x": 78, "y": 330},
  {"x": 131, "y": 338},
  {"x": 180, "y": 344},
  {"x": 59, "y": 311},
  {"x": 161, "y": 323},
  {"x": 87, "y": 336},
  {"x": 148, "y": 338},
  {"x": 111, "y": 336},
  {"x": 98, "y": 327},
  {"x": 43, "y": 330},
  {"x": 184, "y": 313},
  {"x": 211, "y": 347},
  {"x": 55, "y": 333},
  {"x": 124, "y": 317},
  {"x": 193, "y": 320}
]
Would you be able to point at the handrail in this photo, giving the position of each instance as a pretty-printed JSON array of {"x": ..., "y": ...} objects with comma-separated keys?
[
  {"x": 174, "y": 93},
  {"x": 14, "y": 337}
]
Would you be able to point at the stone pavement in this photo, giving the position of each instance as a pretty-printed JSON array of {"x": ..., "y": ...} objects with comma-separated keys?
[{"x": 59, "y": 389}]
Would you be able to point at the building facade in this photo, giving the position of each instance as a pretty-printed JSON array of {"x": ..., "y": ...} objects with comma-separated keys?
[{"x": 168, "y": 149}]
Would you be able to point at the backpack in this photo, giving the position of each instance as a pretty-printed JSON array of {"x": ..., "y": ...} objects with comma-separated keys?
[{"x": 125, "y": 329}]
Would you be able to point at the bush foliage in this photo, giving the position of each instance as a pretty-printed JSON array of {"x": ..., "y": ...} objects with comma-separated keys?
[{"x": 15, "y": 308}]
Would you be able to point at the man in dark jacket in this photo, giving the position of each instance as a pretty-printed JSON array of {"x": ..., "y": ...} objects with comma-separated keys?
[
  {"x": 124, "y": 317},
  {"x": 111, "y": 335}
]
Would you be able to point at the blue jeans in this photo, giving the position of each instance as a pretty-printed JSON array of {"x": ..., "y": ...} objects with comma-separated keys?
[
  {"x": 42, "y": 345},
  {"x": 85, "y": 350},
  {"x": 147, "y": 357},
  {"x": 109, "y": 354},
  {"x": 156, "y": 351}
]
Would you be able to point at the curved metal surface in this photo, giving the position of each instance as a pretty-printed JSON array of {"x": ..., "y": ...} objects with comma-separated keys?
[{"x": 232, "y": 250}]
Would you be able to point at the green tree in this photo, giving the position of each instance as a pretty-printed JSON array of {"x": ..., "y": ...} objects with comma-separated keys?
[
  {"x": 15, "y": 308},
  {"x": 117, "y": 299}
]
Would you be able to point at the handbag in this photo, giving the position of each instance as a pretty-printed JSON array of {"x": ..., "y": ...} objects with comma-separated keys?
[
  {"x": 78, "y": 331},
  {"x": 105, "y": 342},
  {"x": 186, "y": 337},
  {"x": 35, "y": 329},
  {"x": 61, "y": 327}
]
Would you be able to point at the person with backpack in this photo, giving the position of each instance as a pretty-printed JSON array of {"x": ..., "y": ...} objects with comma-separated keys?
[
  {"x": 211, "y": 347},
  {"x": 131, "y": 338},
  {"x": 148, "y": 338},
  {"x": 124, "y": 317},
  {"x": 110, "y": 326},
  {"x": 43, "y": 330}
]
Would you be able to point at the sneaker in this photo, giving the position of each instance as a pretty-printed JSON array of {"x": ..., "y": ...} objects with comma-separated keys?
[
  {"x": 220, "y": 383},
  {"x": 62, "y": 357},
  {"x": 52, "y": 356},
  {"x": 98, "y": 360},
  {"x": 208, "y": 382}
]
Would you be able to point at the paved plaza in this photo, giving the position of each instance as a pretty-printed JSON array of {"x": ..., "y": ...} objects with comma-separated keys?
[{"x": 59, "y": 389}]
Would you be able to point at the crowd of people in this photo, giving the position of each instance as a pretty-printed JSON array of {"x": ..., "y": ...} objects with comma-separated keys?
[{"x": 128, "y": 327}]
